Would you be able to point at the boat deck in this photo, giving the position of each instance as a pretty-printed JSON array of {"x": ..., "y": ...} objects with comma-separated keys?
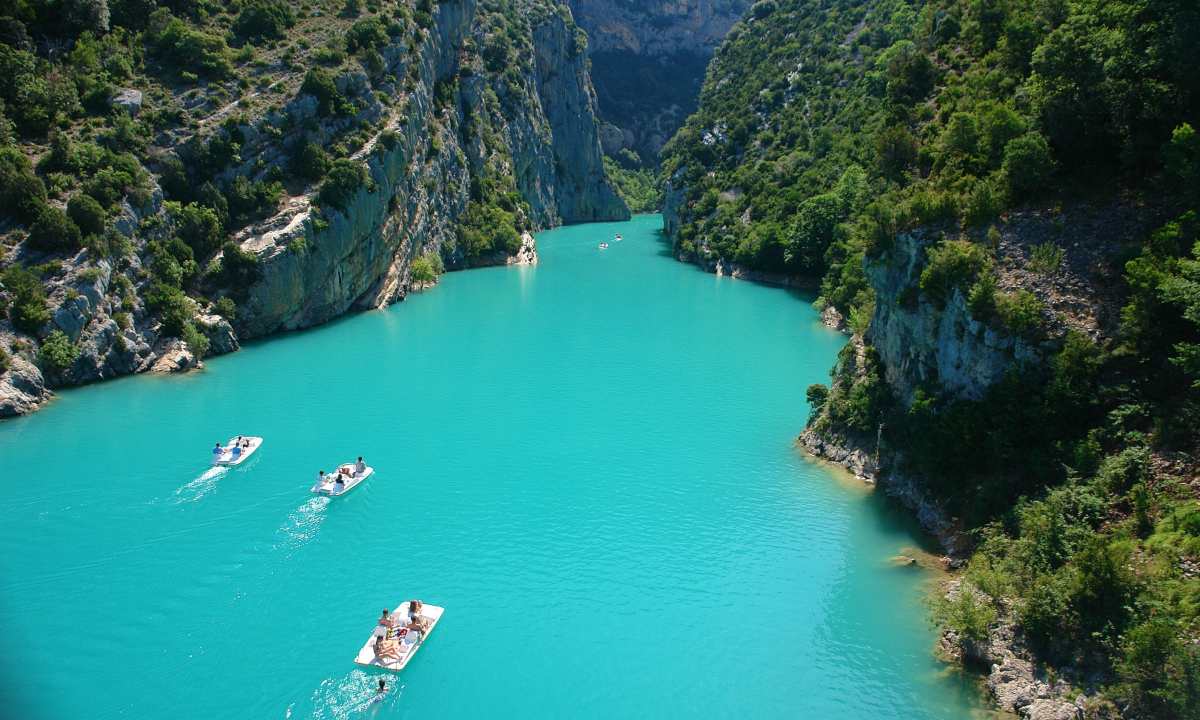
[{"x": 366, "y": 655}]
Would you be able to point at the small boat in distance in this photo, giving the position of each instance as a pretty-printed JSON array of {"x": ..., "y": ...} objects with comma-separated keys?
[
  {"x": 393, "y": 645},
  {"x": 350, "y": 476},
  {"x": 603, "y": 246},
  {"x": 618, "y": 237},
  {"x": 236, "y": 450}
]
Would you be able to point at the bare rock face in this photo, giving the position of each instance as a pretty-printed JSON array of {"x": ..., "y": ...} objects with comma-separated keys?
[
  {"x": 22, "y": 388},
  {"x": 528, "y": 254},
  {"x": 175, "y": 356},
  {"x": 648, "y": 61},
  {"x": 129, "y": 100}
]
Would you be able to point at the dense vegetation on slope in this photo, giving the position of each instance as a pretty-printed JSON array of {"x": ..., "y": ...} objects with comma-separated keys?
[
  {"x": 145, "y": 139},
  {"x": 828, "y": 129}
]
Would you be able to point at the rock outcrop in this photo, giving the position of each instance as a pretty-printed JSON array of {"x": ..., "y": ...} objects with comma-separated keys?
[
  {"x": 648, "y": 61},
  {"x": 443, "y": 124}
]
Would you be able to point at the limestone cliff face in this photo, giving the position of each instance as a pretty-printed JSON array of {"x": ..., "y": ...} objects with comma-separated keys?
[
  {"x": 648, "y": 61},
  {"x": 430, "y": 150},
  {"x": 922, "y": 344}
]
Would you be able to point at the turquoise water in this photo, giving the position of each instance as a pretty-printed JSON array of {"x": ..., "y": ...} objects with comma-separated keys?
[{"x": 588, "y": 463}]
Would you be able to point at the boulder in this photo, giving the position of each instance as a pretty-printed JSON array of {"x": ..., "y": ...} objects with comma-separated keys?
[
  {"x": 22, "y": 388},
  {"x": 129, "y": 100},
  {"x": 221, "y": 338},
  {"x": 1044, "y": 709},
  {"x": 175, "y": 357}
]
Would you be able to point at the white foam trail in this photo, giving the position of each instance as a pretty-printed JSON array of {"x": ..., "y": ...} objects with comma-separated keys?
[
  {"x": 351, "y": 696},
  {"x": 303, "y": 523},
  {"x": 201, "y": 486}
]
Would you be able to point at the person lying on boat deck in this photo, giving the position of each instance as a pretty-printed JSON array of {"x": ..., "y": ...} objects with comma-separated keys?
[
  {"x": 360, "y": 467},
  {"x": 386, "y": 648}
]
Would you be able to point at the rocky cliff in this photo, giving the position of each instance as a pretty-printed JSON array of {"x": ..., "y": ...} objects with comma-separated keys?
[
  {"x": 448, "y": 140},
  {"x": 648, "y": 62}
]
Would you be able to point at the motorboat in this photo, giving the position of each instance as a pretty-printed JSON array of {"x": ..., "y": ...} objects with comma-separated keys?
[
  {"x": 407, "y": 639},
  {"x": 237, "y": 450},
  {"x": 603, "y": 246},
  {"x": 329, "y": 484}
]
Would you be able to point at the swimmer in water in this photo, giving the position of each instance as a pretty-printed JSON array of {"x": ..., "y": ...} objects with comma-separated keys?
[{"x": 382, "y": 686}]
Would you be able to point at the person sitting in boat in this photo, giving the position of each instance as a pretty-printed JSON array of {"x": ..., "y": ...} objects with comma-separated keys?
[
  {"x": 360, "y": 467},
  {"x": 218, "y": 450},
  {"x": 246, "y": 443},
  {"x": 341, "y": 482},
  {"x": 386, "y": 648},
  {"x": 237, "y": 450},
  {"x": 321, "y": 478},
  {"x": 386, "y": 619},
  {"x": 414, "y": 609}
]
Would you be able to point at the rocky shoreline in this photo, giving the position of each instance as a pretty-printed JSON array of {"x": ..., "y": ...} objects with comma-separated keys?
[{"x": 1013, "y": 679}]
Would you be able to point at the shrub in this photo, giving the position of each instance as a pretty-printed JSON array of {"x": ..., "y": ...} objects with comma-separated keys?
[
  {"x": 22, "y": 193},
  {"x": 1019, "y": 312},
  {"x": 952, "y": 264},
  {"x": 1027, "y": 165},
  {"x": 322, "y": 84},
  {"x": 239, "y": 268},
  {"x": 195, "y": 340},
  {"x": 251, "y": 200},
  {"x": 1160, "y": 673},
  {"x": 816, "y": 395},
  {"x": 344, "y": 179},
  {"x": 422, "y": 270},
  {"x": 181, "y": 47},
  {"x": 57, "y": 352},
  {"x": 87, "y": 214},
  {"x": 259, "y": 19},
  {"x": 369, "y": 33},
  {"x": 1046, "y": 258},
  {"x": 967, "y": 614},
  {"x": 53, "y": 231},
  {"x": 310, "y": 161},
  {"x": 27, "y": 310},
  {"x": 227, "y": 308}
]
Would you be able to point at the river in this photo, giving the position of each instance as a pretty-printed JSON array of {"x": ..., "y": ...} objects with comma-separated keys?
[{"x": 589, "y": 463}]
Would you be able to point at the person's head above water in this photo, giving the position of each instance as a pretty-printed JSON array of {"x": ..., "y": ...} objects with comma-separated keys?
[{"x": 382, "y": 685}]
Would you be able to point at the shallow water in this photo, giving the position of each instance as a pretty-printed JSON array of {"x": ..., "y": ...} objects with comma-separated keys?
[{"x": 589, "y": 463}]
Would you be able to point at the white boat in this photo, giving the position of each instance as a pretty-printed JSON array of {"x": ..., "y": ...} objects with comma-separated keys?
[
  {"x": 408, "y": 643},
  {"x": 618, "y": 237},
  {"x": 229, "y": 458},
  {"x": 603, "y": 246},
  {"x": 330, "y": 486}
]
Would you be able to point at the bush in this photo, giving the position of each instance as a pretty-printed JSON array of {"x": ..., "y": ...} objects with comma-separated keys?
[
  {"x": 22, "y": 193},
  {"x": 369, "y": 34},
  {"x": 1027, "y": 165},
  {"x": 27, "y": 311},
  {"x": 1160, "y": 674},
  {"x": 1046, "y": 258},
  {"x": 57, "y": 352},
  {"x": 816, "y": 395},
  {"x": 952, "y": 264},
  {"x": 183, "y": 48},
  {"x": 195, "y": 340},
  {"x": 250, "y": 200},
  {"x": 345, "y": 178},
  {"x": 239, "y": 269},
  {"x": 53, "y": 231},
  {"x": 967, "y": 614},
  {"x": 1019, "y": 312},
  {"x": 310, "y": 161},
  {"x": 423, "y": 270},
  {"x": 198, "y": 226},
  {"x": 261, "y": 19},
  {"x": 87, "y": 214},
  {"x": 227, "y": 308},
  {"x": 322, "y": 84}
]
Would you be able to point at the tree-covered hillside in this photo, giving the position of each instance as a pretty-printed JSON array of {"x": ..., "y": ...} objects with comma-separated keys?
[{"x": 1011, "y": 180}]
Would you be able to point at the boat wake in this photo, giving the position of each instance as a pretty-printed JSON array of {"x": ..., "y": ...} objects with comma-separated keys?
[
  {"x": 201, "y": 486},
  {"x": 303, "y": 523},
  {"x": 353, "y": 696}
]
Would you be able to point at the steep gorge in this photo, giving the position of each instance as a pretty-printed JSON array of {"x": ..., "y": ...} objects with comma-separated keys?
[{"x": 443, "y": 145}]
